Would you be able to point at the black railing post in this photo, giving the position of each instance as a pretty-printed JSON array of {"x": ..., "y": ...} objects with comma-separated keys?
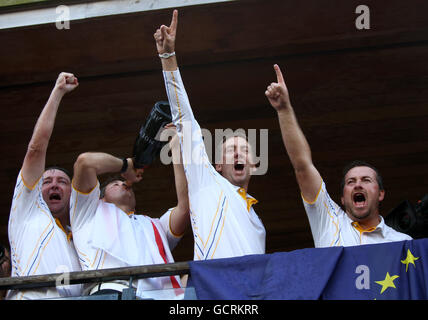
[{"x": 129, "y": 293}]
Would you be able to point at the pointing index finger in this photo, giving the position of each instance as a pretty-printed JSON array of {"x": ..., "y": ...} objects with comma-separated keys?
[
  {"x": 279, "y": 76},
  {"x": 174, "y": 20}
]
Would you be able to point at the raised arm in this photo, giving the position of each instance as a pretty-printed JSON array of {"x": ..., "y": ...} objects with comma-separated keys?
[
  {"x": 180, "y": 216},
  {"x": 195, "y": 159},
  {"x": 297, "y": 147},
  {"x": 182, "y": 114},
  {"x": 90, "y": 165},
  {"x": 35, "y": 158}
]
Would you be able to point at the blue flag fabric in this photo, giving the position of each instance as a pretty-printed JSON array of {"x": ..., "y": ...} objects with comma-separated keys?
[
  {"x": 396, "y": 270},
  {"x": 233, "y": 278}
]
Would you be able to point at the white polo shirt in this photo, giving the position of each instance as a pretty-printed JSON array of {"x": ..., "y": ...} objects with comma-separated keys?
[
  {"x": 331, "y": 226},
  {"x": 38, "y": 243},
  {"x": 107, "y": 237},
  {"x": 223, "y": 220}
]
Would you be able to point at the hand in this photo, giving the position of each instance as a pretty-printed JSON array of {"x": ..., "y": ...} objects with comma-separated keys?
[
  {"x": 132, "y": 175},
  {"x": 66, "y": 82},
  {"x": 277, "y": 92},
  {"x": 171, "y": 132},
  {"x": 165, "y": 36}
]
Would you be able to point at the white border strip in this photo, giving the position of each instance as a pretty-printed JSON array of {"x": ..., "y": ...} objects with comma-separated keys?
[{"x": 90, "y": 10}]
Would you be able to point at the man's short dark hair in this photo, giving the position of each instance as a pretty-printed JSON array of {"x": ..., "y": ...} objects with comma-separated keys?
[
  {"x": 61, "y": 169},
  {"x": 107, "y": 181},
  {"x": 360, "y": 163}
]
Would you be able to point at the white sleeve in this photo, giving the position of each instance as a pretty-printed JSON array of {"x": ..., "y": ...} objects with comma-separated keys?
[
  {"x": 165, "y": 222},
  {"x": 24, "y": 198},
  {"x": 83, "y": 206},
  {"x": 197, "y": 165},
  {"x": 323, "y": 218}
]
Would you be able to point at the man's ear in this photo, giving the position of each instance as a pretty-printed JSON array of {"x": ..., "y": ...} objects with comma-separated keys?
[
  {"x": 381, "y": 195},
  {"x": 218, "y": 167},
  {"x": 342, "y": 200}
]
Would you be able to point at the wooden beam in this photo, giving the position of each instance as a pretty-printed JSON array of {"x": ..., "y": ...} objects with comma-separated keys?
[{"x": 102, "y": 275}]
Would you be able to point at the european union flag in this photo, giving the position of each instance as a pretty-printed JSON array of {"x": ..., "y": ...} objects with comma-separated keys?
[{"x": 396, "y": 270}]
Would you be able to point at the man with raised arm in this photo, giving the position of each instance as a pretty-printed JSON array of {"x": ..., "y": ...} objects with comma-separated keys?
[
  {"x": 362, "y": 188},
  {"x": 222, "y": 215},
  {"x": 109, "y": 234},
  {"x": 39, "y": 231}
]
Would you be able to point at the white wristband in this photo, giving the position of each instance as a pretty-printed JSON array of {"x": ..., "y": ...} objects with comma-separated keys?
[{"x": 166, "y": 55}]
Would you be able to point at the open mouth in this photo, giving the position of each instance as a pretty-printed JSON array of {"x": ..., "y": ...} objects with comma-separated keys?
[
  {"x": 239, "y": 167},
  {"x": 55, "y": 196},
  {"x": 359, "y": 199}
]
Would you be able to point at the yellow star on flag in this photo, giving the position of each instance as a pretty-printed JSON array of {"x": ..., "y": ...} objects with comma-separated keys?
[
  {"x": 387, "y": 283},
  {"x": 409, "y": 259}
]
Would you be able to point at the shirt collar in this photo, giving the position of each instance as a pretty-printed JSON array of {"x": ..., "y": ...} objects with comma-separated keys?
[
  {"x": 248, "y": 199},
  {"x": 130, "y": 213},
  {"x": 67, "y": 232},
  {"x": 382, "y": 226},
  {"x": 379, "y": 228}
]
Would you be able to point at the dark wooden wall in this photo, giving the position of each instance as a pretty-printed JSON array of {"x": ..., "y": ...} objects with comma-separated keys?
[{"x": 358, "y": 94}]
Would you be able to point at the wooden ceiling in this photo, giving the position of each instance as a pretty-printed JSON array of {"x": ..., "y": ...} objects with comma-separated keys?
[{"x": 358, "y": 94}]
